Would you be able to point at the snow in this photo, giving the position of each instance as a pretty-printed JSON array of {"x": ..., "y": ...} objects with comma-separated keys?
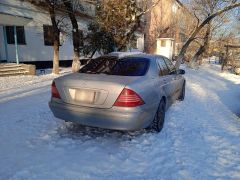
[
  {"x": 16, "y": 86},
  {"x": 124, "y": 54},
  {"x": 200, "y": 139}
]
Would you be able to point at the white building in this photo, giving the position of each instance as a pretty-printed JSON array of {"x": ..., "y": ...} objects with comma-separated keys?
[
  {"x": 33, "y": 25},
  {"x": 165, "y": 47},
  {"x": 33, "y": 33}
]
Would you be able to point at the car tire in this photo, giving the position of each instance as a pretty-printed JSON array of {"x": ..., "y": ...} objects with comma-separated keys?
[
  {"x": 182, "y": 95},
  {"x": 158, "y": 121}
]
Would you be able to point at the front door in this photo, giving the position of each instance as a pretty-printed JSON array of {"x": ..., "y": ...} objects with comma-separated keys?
[{"x": 166, "y": 80}]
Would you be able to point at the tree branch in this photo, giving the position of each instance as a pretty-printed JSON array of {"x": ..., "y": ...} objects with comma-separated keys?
[{"x": 197, "y": 30}]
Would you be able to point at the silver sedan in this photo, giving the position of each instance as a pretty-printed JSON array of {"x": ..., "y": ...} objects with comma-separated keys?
[{"x": 119, "y": 91}]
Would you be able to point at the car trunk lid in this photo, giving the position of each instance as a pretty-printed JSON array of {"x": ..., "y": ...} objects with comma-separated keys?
[{"x": 92, "y": 90}]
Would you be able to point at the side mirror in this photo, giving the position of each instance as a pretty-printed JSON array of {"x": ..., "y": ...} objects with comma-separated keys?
[{"x": 181, "y": 71}]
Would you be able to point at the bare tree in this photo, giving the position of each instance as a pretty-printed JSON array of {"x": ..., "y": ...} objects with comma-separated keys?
[
  {"x": 201, "y": 9},
  {"x": 51, "y": 8},
  {"x": 203, "y": 47},
  {"x": 75, "y": 34},
  {"x": 228, "y": 43},
  {"x": 201, "y": 24},
  {"x": 73, "y": 7}
]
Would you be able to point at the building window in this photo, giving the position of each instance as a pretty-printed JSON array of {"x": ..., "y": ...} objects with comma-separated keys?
[
  {"x": 20, "y": 35},
  {"x": 48, "y": 35},
  {"x": 163, "y": 43}
]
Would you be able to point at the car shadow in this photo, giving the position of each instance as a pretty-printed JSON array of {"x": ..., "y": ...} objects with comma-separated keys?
[{"x": 77, "y": 131}]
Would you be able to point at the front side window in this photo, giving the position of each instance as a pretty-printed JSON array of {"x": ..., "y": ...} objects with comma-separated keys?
[
  {"x": 170, "y": 65},
  {"x": 130, "y": 66},
  {"x": 162, "y": 67},
  {"x": 20, "y": 35}
]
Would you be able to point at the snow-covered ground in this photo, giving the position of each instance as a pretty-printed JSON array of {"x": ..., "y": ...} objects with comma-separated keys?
[
  {"x": 200, "y": 139},
  {"x": 13, "y": 87}
]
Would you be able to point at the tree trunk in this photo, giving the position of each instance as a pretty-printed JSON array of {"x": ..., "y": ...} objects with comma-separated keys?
[
  {"x": 225, "y": 59},
  {"x": 75, "y": 36},
  {"x": 76, "y": 39},
  {"x": 203, "y": 47},
  {"x": 51, "y": 9},
  {"x": 55, "y": 69},
  {"x": 199, "y": 52},
  {"x": 197, "y": 30}
]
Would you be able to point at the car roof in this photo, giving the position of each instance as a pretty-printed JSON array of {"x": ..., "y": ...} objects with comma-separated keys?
[{"x": 122, "y": 55}]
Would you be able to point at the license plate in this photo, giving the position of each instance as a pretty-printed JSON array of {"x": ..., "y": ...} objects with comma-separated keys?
[{"x": 82, "y": 95}]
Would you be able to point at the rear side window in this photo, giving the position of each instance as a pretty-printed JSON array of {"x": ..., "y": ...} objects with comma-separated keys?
[{"x": 130, "y": 66}]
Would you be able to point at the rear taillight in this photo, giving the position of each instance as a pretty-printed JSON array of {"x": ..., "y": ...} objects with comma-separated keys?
[
  {"x": 128, "y": 98},
  {"x": 55, "y": 92}
]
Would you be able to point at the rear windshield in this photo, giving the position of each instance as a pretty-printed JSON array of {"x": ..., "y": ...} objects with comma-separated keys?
[{"x": 130, "y": 66}]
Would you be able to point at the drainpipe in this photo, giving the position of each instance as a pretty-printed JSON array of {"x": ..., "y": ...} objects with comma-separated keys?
[
  {"x": 5, "y": 42},
  {"x": 16, "y": 44}
]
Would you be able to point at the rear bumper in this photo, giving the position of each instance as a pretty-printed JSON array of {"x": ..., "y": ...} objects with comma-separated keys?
[{"x": 117, "y": 118}]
